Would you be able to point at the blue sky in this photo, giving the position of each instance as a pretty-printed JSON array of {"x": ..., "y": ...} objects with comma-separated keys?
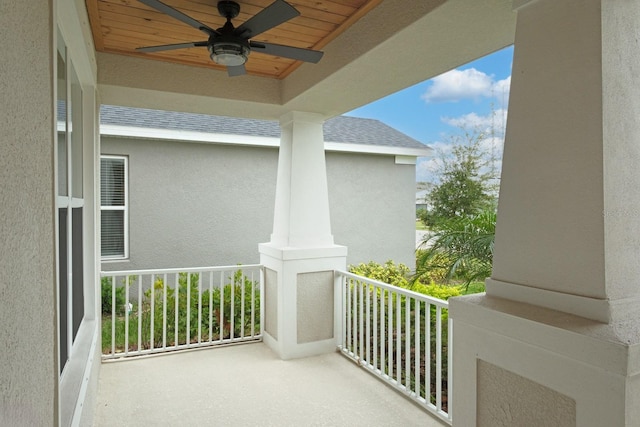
[{"x": 434, "y": 109}]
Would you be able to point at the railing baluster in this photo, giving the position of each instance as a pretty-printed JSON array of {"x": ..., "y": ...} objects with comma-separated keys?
[
  {"x": 407, "y": 343},
  {"x": 188, "y": 330},
  {"x": 221, "y": 322},
  {"x": 139, "y": 312},
  {"x": 242, "y": 308},
  {"x": 374, "y": 296},
  {"x": 261, "y": 291},
  {"x": 126, "y": 315},
  {"x": 368, "y": 323},
  {"x": 427, "y": 351},
  {"x": 232, "y": 321},
  {"x": 211, "y": 307},
  {"x": 438, "y": 358},
  {"x": 390, "y": 334},
  {"x": 113, "y": 314},
  {"x": 152, "y": 334},
  {"x": 164, "y": 310},
  {"x": 398, "y": 339},
  {"x": 253, "y": 305},
  {"x": 416, "y": 367},
  {"x": 449, "y": 363},
  {"x": 176, "y": 335},
  {"x": 354, "y": 317},
  {"x": 199, "y": 307},
  {"x": 383, "y": 331},
  {"x": 361, "y": 321},
  {"x": 348, "y": 314}
]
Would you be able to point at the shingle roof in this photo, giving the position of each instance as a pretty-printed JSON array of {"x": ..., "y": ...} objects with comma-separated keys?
[{"x": 345, "y": 129}]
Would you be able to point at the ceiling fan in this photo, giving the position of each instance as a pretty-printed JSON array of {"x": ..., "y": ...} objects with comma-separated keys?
[{"x": 230, "y": 46}]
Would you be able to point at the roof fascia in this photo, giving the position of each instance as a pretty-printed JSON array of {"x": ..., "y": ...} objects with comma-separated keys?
[{"x": 251, "y": 141}]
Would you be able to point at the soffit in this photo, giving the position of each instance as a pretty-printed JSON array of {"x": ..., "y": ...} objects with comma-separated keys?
[
  {"x": 396, "y": 44},
  {"x": 121, "y": 26}
]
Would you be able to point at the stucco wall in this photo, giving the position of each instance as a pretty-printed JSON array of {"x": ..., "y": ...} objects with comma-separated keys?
[
  {"x": 557, "y": 148},
  {"x": 507, "y": 399},
  {"x": 199, "y": 204},
  {"x": 28, "y": 378},
  {"x": 373, "y": 209},
  {"x": 194, "y": 204}
]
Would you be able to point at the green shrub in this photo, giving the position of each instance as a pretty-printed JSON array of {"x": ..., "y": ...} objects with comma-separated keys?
[
  {"x": 188, "y": 293},
  {"x": 107, "y": 297},
  {"x": 390, "y": 273},
  {"x": 443, "y": 292},
  {"x": 435, "y": 268}
]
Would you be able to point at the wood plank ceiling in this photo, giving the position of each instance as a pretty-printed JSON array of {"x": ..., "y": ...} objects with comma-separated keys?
[{"x": 121, "y": 26}]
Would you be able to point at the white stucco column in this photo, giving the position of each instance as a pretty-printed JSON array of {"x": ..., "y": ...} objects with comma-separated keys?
[
  {"x": 555, "y": 340},
  {"x": 300, "y": 259}
]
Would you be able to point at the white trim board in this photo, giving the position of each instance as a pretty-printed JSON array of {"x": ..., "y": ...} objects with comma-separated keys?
[{"x": 253, "y": 141}]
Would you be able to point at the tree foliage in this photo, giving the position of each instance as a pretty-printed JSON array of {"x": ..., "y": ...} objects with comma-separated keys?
[
  {"x": 462, "y": 246},
  {"x": 465, "y": 181},
  {"x": 462, "y": 211}
]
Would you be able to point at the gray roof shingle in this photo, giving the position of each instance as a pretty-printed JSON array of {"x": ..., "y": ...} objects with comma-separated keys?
[{"x": 345, "y": 129}]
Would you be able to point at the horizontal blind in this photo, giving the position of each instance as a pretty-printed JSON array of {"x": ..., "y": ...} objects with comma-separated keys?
[
  {"x": 113, "y": 206},
  {"x": 112, "y": 191}
]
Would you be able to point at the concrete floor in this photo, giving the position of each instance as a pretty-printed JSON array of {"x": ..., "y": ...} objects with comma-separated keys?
[{"x": 248, "y": 385}]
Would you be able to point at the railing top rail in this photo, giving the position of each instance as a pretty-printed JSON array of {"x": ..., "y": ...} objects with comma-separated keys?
[
  {"x": 180, "y": 270},
  {"x": 412, "y": 294}
]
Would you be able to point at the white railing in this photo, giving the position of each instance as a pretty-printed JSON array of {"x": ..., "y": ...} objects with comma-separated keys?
[
  {"x": 401, "y": 336},
  {"x": 155, "y": 311}
]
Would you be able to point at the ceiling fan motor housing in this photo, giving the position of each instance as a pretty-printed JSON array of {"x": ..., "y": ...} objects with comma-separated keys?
[{"x": 228, "y": 50}]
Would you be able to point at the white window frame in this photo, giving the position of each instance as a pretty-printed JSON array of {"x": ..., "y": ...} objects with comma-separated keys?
[{"x": 124, "y": 208}]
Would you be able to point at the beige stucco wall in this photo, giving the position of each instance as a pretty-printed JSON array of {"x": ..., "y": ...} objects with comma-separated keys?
[
  {"x": 506, "y": 399},
  {"x": 28, "y": 377},
  {"x": 551, "y": 195},
  {"x": 621, "y": 137},
  {"x": 314, "y": 305}
]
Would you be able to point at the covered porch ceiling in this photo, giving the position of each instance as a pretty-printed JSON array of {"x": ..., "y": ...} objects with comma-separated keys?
[{"x": 372, "y": 48}]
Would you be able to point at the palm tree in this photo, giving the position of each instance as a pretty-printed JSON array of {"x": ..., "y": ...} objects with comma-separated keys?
[{"x": 463, "y": 246}]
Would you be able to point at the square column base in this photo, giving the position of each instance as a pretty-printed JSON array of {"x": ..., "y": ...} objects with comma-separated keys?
[
  {"x": 520, "y": 364},
  {"x": 301, "y": 319}
]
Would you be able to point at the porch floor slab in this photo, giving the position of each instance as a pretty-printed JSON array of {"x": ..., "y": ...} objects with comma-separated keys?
[{"x": 248, "y": 385}]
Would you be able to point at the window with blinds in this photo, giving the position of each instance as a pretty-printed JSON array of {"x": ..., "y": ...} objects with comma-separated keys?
[{"x": 114, "y": 207}]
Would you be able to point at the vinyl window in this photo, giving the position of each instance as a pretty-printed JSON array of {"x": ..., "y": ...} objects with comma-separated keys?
[{"x": 114, "y": 207}]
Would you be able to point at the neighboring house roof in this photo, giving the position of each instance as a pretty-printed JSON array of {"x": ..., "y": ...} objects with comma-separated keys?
[
  {"x": 421, "y": 197},
  {"x": 341, "y": 130}
]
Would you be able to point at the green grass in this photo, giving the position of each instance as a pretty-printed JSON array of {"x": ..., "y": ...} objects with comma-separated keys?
[
  {"x": 420, "y": 225},
  {"x": 473, "y": 288}
]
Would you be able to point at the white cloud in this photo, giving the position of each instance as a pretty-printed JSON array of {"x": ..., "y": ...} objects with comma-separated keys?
[
  {"x": 426, "y": 168},
  {"x": 456, "y": 85},
  {"x": 493, "y": 122}
]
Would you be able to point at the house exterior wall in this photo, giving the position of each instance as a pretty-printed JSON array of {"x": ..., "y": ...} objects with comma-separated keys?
[
  {"x": 372, "y": 203},
  {"x": 28, "y": 377},
  {"x": 196, "y": 204}
]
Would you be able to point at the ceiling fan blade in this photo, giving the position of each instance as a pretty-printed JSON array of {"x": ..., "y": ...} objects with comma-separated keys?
[
  {"x": 306, "y": 55},
  {"x": 171, "y": 46},
  {"x": 158, "y": 5},
  {"x": 238, "y": 70},
  {"x": 273, "y": 15}
]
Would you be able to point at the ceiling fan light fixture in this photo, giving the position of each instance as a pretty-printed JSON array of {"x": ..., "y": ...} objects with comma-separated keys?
[{"x": 229, "y": 54}]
